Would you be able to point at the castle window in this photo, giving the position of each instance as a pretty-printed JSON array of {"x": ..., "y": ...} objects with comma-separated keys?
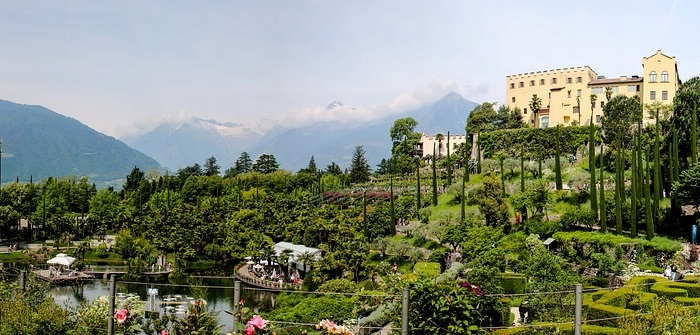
[
  {"x": 631, "y": 88},
  {"x": 664, "y": 77},
  {"x": 554, "y": 80},
  {"x": 532, "y": 83},
  {"x": 652, "y": 77},
  {"x": 569, "y": 80},
  {"x": 579, "y": 79},
  {"x": 541, "y": 81},
  {"x": 615, "y": 89},
  {"x": 524, "y": 110},
  {"x": 521, "y": 84},
  {"x": 578, "y": 93},
  {"x": 597, "y": 119},
  {"x": 512, "y": 99},
  {"x": 568, "y": 94},
  {"x": 512, "y": 86},
  {"x": 602, "y": 104},
  {"x": 664, "y": 95},
  {"x": 652, "y": 95}
]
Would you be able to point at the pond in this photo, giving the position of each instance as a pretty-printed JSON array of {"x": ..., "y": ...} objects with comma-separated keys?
[{"x": 219, "y": 296}]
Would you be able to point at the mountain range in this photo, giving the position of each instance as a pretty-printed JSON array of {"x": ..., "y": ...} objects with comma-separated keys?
[
  {"x": 183, "y": 143},
  {"x": 39, "y": 143}
]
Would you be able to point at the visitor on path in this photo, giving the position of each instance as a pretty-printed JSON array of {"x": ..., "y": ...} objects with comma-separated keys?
[
  {"x": 667, "y": 272},
  {"x": 674, "y": 271}
]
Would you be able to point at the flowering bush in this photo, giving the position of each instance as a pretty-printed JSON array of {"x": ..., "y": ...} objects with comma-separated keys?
[{"x": 329, "y": 327}]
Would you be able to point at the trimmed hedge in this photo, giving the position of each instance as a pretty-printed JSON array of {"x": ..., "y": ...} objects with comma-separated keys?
[
  {"x": 662, "y": 289},
  {"x": 509, "y": 141},
  {"x": 598, "y": 294},
  {"x": 644, "y": 283},
  {"x": 563, "y": 329},
  {"x": 513, "y": 282},
  {"x": 600, "y": 311}
]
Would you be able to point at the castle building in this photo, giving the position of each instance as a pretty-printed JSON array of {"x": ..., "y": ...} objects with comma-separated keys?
[
  {"x": 424, "y": 147},
  {"x": 566, "y": 94}
]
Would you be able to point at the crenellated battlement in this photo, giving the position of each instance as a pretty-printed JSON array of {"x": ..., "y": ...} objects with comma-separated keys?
[{"x": 566, "y": 70}]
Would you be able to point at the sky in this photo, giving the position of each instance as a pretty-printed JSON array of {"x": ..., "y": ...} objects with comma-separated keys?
[{"x": 122, "y": 66}]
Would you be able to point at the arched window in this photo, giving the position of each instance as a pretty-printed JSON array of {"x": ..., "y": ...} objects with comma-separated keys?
[
  {"x": 544, "y": 122},
  {"x": 664, "y": 76},
  {"x": 652, "y": 76}
]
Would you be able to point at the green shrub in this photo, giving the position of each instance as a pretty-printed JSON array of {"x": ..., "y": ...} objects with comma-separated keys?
[
  {"x": 598, "y": 294},
  {"x": 341, "y": 285},
  {"x": 101, "y": 251}
]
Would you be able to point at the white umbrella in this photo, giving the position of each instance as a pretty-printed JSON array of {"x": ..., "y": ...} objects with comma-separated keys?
[
  {"x": 61, "y": 259},
  {"x": 248, "y": 258},
  {"x": 250, "y": 262}
]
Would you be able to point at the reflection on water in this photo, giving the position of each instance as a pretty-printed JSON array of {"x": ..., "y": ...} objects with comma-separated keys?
[{"x": 219, "y": 296}]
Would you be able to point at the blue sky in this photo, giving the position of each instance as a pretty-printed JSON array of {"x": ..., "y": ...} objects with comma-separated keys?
[{"x": 120, "y": 66}]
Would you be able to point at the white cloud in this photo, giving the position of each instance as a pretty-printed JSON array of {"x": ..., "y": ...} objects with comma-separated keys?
[
  {"x": 145, "y": 125},
  {"x": 349, "y": 112}
]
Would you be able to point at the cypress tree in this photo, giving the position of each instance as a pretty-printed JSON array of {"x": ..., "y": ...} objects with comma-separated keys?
[
  {"x": 591, "y": 166},
  {"x": 364, "y": 214},
  {"x": 523, "y": 211},
  {"x": 557, "y": 164},
  {"x": 619, "y": 189},
  {"x": 657, "y": 169},
  {"x": 449, "y": 162},
  {"x": 464, "y": 185},
  {"x": 694, "y": 135},
  {"x": 503, "y": 175},
  {"x": 633, "y": 191},
  {"x": 418, "y": 201},
  {"x": 391, "y": 200},
  {"x": 673, "y": 155},
  {"x": 603, "y": 214},
  {"x": 478, "y": 156},
  {"x": 539, "y": 162},
  {"x": 647, "y": 198},
  {"x": 435, "y": 195}
]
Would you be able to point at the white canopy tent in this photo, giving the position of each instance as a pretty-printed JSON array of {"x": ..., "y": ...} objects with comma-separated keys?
[
  {"x": 298, "y": 251},
  {"x": 61, "y": 259}
]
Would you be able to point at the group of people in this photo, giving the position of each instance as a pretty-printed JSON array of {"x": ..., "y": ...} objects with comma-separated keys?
[
  {"x": 672, "y": 273},
  {"x": 401, "y": 222},
  {"x": 273, "y": 277}
]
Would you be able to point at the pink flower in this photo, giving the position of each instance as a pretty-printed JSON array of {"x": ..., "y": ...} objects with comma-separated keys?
[
  {"x": 121, "y": 315},
  {"x": 250, "y": 330},
  {"x": 164, "y": 332},
  {"x": 257, "y": 322}
]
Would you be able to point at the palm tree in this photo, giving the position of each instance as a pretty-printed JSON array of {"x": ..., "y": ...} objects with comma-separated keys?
[
  {"x": 608, "y": 93},
  {"x": 439, "y": 137},
  {"x": 578, "y": 106},
  {"x": 535, "y": 106}
]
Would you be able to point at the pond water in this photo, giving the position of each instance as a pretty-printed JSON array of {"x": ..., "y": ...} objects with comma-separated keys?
[{"x": 219, "y": 296}]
